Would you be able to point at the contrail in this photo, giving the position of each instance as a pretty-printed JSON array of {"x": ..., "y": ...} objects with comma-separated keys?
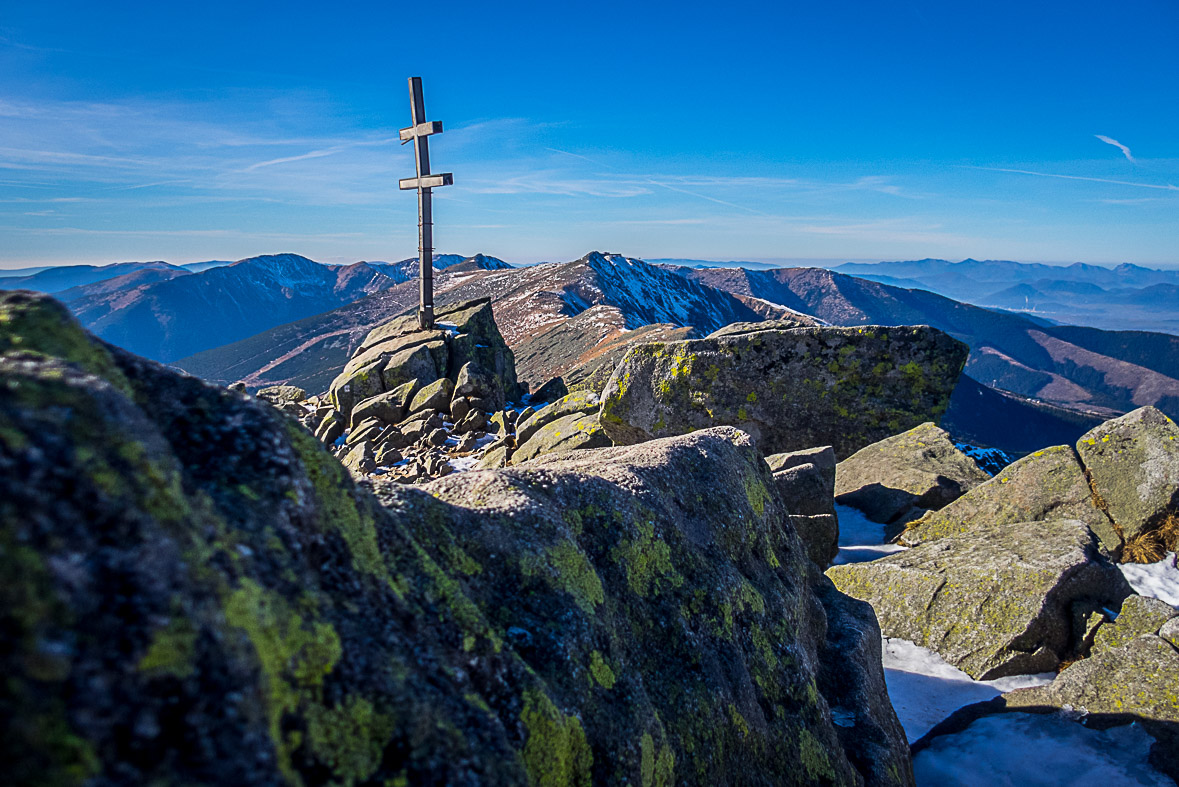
[
  {"x": 1111, "y": 141},
  {"x": 1163, "y": 187}
]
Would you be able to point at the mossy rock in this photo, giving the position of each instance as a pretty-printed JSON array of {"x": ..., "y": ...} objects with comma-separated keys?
[
  {"x": 279, "y": 394},
  {"x": 581, "y": 402},
  {"x": 995, "y": 601},
  {"x": 789, "y": 389},
  {"x": 1139, "y": 615},
  {"x": 388, "y": 407},
  {"x": 197, "y": 592},
  {"x": 356, "y": 386},
  {"x": 570, "y": 433},
  {"x": 1047, "y": 484},
  {"x": 1133, "y": 462},
  {"x": 435, "y": 396},
  {"x": 918, "y": 469}
]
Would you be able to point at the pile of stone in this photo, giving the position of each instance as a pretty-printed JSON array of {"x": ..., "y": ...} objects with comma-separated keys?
[{"x": 410, "y": 402}]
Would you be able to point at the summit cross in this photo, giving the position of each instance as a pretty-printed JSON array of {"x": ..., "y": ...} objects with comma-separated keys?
[{"x": 420, "y": 132}]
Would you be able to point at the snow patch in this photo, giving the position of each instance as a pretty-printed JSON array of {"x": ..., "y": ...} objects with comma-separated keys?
[
  {"x": 924, "y": 689},
  {"x": 860, "y": 539},
  {"x": 1159, "y": 580},
  {"x": 1038, "y": 750},
  {"x": 462, "y": 463}
]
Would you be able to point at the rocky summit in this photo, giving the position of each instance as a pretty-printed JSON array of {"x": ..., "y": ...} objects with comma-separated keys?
[
  {"x": 790, "y": 389},
  {"x": 197, "y": 592}
]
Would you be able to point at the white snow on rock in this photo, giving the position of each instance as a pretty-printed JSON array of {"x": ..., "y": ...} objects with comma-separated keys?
[
  {"x": 1160, "y": 580},
  {"x": 860, "y": 539},
  {"x": 461, "y": 463},
  {"x": 924, "y": 689},
  {"x": 1038, "y": 750}
]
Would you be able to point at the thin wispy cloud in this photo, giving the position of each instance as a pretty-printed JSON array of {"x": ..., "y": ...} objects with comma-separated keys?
[
  {"x": 1159, "y": 186},
  {"x": 1111, "y": 141}
]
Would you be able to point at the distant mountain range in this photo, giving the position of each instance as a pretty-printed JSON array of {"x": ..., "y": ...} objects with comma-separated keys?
[
  {"x": 1125, "y": 297},
  {"x": 285, "y": 318}
]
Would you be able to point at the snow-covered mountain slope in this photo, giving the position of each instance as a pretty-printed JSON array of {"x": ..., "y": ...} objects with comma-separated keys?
[{"x": 528, "y": 303}]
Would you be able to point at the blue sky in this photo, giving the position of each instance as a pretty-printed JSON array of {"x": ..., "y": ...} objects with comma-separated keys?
[{"x": 749, "y": 131}]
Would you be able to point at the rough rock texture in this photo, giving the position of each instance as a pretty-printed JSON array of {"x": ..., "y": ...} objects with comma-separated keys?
[
  {"x": 853, "y": 687},
  {"x": 570, "y": 433},
  {"x": 466, "y": 342},
  {"x": 743, "y": 328},
  {"x": 388, "y": 407},
  {"x": 197, "y": 593},
  {"x": 791, "y": 389},
  {"x": 919, "y": 469},
  {"x": 1139, "y": 615},
  {"x": 822, "y": 457},
  {"x": 579, "y": 403},
  {"x": 805, "y": 484},
  {"x": 277, "y": 394},
  {"x": 1048, "y": 484},
  {"x": 1133, "y": 462},
  {"x": 998, "y": 600},
  {"x": 1136, "y": 682}
]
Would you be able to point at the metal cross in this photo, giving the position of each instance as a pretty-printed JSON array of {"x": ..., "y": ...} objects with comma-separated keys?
[{"x": 420, "y": 132}]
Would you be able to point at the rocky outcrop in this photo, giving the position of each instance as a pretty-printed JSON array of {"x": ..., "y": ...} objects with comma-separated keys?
[
  {"x": 998, "y": 600},
  {"x": 1139, "y": 615},
  {"x": 568, "y": 424},
  {"x": 1133, "y": 462},
  {"x": 196, "y": 592},
  {"x": 1048, "y": 484},
  {"x": 278, "y": 394},
  {"x": 789, "y": 389},
  {"x": 805, "y": 484},
  {"x": 466, "y": 348},
  {"x": 906, "y": 475}
]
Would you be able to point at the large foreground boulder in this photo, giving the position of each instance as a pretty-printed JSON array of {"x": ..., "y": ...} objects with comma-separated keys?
[
  {"x": 790, "y": 389},
  {"x": 1048, "y": 484},
  {"x": 998, "y": 600},
  {"x": 918, "y": 470},
  {"x": 196, "y": 592},
  {"x": 1133, "y": 462}
]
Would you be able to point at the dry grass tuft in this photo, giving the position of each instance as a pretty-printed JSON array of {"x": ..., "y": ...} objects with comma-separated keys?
[
  {"x": 1065, "y": 664},
  {"x": 1146, "y": 547},
  {"x": 1168, "y": 531}
]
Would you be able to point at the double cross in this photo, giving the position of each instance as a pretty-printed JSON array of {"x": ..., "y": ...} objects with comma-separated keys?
[{"x": 420, "y": 133}]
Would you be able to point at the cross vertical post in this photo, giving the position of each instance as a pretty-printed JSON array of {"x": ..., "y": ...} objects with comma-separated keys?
[{"x": 424, "y": 183}]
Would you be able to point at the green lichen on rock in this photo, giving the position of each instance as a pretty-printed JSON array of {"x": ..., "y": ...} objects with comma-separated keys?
[
  {"x": 560, "y": 623},
  {"x": 646, "y": 559},
  {"x": 1047, "y": 484},
  {"x": 1133, "y": 464},
  {"x": 338, "y": 506},
  {"x": 994, "y": 601},
  {"x": 35, "y": 323},
  {"x": 601, "y": 670},
  {"x": 791, "y": 389},
  {"x": 555, "y": 751},
  {"x": 172, "y": 650},
  {"x": 294, "y": 658}
]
